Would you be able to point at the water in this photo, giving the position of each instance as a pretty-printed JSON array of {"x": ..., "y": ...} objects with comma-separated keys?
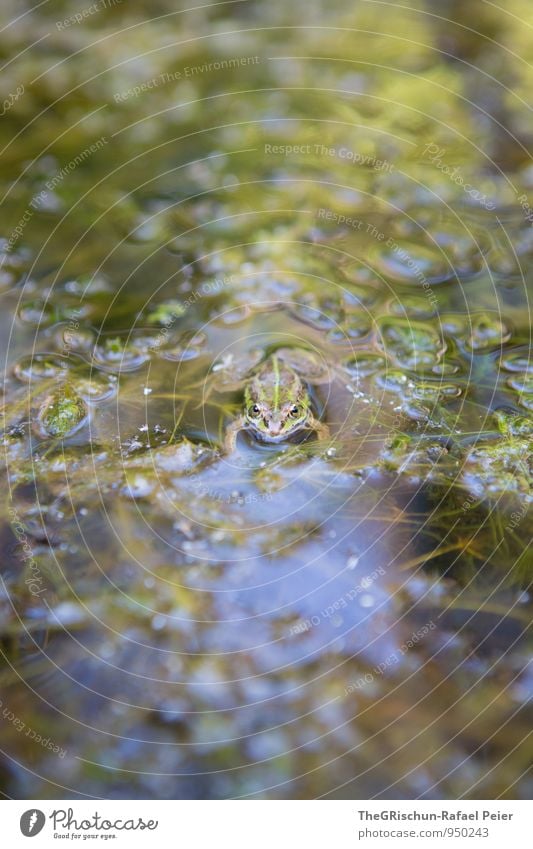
[{"x": 344, "y": 618}]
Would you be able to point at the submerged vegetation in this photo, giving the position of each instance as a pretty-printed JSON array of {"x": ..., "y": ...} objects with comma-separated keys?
[{"x": 343, "y": 612}]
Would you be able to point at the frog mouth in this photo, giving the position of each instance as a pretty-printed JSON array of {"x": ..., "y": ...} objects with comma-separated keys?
[
  {"x": 270, "y": 437},
  {"x": 262, "y": 436}
]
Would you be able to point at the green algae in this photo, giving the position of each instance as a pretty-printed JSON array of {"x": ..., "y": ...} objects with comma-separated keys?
[{"x": 62, "y": 413}]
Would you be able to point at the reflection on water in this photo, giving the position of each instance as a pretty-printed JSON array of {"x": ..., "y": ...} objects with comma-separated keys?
[{"x": 343, "y": 616}]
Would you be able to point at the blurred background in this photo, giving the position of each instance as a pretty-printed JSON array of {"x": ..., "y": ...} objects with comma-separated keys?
[{"x": 184, "y": 192}]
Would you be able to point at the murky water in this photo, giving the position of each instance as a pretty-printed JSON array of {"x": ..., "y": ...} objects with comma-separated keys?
[{"x": 183, "y": 194}]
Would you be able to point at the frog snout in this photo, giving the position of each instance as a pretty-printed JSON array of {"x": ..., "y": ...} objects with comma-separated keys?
[{"x": 274, "y": 426}]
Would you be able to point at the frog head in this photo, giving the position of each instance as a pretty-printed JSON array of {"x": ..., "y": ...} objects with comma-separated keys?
[{"x": 277, "y": 403}]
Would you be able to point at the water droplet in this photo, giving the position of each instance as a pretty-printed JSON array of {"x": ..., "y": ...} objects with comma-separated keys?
[
  {"x": 189, "y": 347},
  {"x": 138, "y": 487},
  {"x": 522, "y": 383},
  {"x": 94, "y": 388},
  {"x": 231, "y": 317},
  {"x": 487, "y": 332},
  {"x": 40, "y": 366},
  {"x": 119, "y": 355},
  {"x": 436, "y": 391},
  {"x": 69, "y": 338},
  {"x": 393, "y": 380},
  {"x": 367, "y": 600},
  {"x": 412, "y": 306},
  {"x": 363, "y": 364},
  {"x": 412, "y": 343},
  {"x": 410, "y": 263},
  {"x": 355, "y": 328},
  {"x": 517, "y": 361},
  {"x": 446, "y": 369},
  {"x": 526, "y": 401},
  {"x": 316, "y": 317}
]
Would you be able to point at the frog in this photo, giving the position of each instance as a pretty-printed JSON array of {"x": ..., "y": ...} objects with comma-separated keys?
[{"x": 277, "y": 402}]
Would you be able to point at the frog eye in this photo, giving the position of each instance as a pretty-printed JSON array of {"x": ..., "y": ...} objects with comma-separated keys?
[
  {"x": 294, "y": 411},
  {"x": 254, "y": 410}
]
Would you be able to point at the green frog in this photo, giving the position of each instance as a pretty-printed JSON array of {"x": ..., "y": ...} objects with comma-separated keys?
[{"x": 277, "y": 403}]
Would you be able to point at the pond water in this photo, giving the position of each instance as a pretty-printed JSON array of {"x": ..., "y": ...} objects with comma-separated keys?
[{"x": 184, "y": 194}]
